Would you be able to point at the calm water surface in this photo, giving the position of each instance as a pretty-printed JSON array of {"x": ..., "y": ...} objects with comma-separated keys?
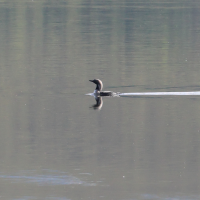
[{"x": 54, "y": 144}]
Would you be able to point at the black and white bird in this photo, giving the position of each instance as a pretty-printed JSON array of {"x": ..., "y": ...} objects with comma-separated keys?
[{"x": 99, "y": 86}]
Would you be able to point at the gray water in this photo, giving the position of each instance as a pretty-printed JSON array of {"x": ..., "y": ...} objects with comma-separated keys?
[{"x": 55, "y": 144}]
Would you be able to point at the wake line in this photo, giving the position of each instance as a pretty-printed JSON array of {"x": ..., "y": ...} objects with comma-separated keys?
[{"x": 193, "y": 93}]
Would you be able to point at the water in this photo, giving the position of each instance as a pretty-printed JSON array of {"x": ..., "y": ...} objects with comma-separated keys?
[
  {"x": 55, "y": 144},
  {"x": 192, "y": 93}
]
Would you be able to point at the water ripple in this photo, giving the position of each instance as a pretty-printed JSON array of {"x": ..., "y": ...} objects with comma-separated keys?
[{"x": 45, "y": 179}]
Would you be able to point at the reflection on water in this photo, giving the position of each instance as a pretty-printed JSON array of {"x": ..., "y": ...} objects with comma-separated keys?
[
  {"x": 99, "y": 103},
  {"x": 35, "y": 197},
  {"x": 49, "y": 178},
  {"x": 142, "y": 197},
  {"x": 156, "y": 197},
  {"x": 49, "y": 50}
]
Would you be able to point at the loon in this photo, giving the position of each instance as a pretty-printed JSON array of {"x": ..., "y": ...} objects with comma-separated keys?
[{"x": 99, "y": 86}]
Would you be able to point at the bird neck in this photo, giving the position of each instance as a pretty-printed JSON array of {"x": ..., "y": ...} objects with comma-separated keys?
[{"x": 99, "y": 87}]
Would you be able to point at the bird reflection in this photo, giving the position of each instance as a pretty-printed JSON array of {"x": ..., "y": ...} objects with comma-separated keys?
[{"x": 99, "y": 103}]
